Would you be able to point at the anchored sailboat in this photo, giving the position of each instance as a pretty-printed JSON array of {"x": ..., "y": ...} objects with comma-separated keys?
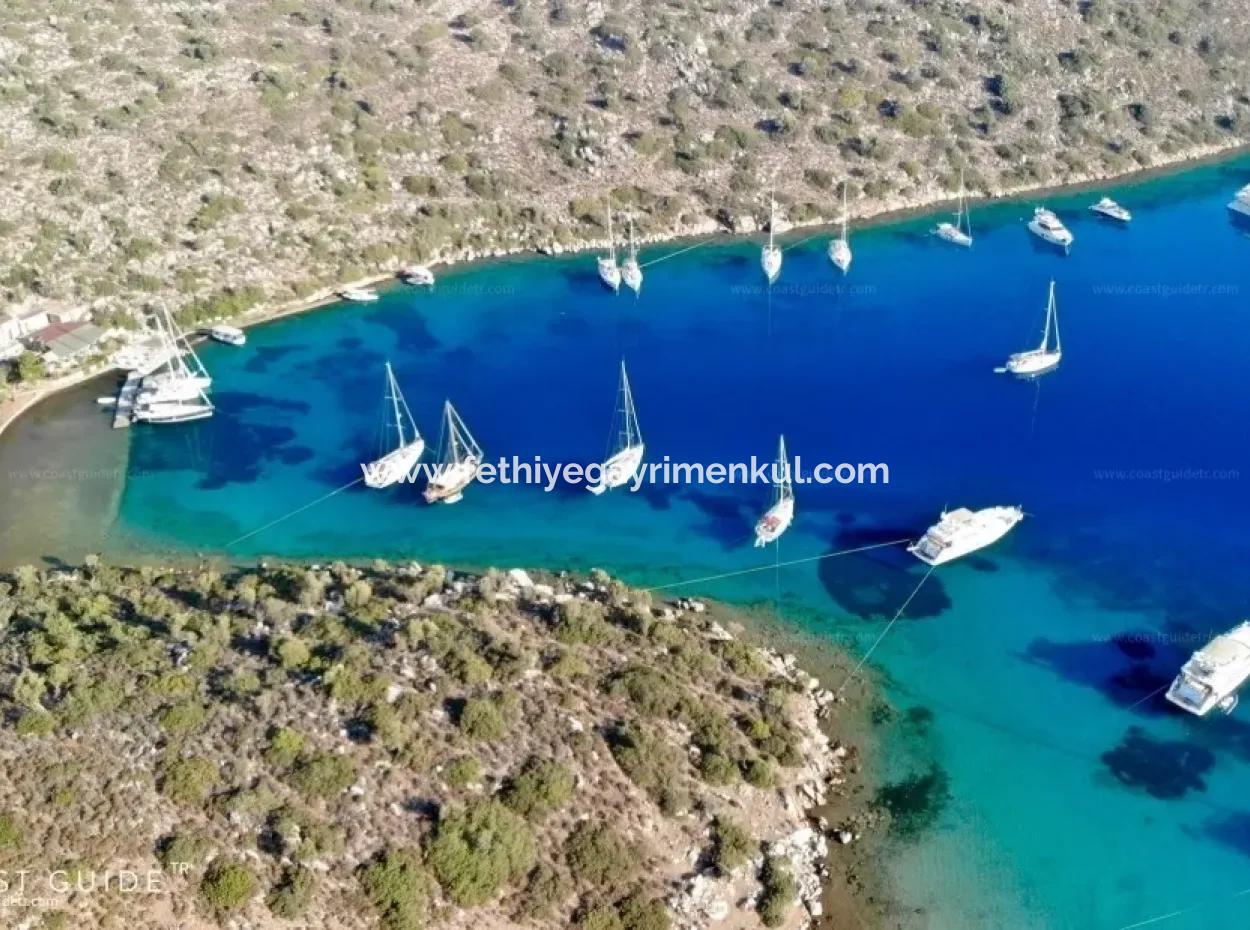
[
  {"x": 626, "y": 457},
  {"x": 780, "y": 515},
  {"x": 609, "y": 273},
  {"x": 458, "y": 462},
  {"x": 1038, "y": 361},
  {"x": 770, "y": 255},
  {"x": 176, "y": 394},
  {"x": 840, "y": 248},
  {"x": 960, "y": 231},
  {"x": 631, "y": 271},
  {"x": 408, "y": 447}
]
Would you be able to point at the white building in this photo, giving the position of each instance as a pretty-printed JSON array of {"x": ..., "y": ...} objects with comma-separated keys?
[{"x": 16, "y": 323}]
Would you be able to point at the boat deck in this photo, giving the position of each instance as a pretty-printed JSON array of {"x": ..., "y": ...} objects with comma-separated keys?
[{"x": 124, "y": 411}]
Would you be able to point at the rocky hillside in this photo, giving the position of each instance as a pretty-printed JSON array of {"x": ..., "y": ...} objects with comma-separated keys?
[
  {"x": 240, "y": 152},
  {"x": 399, "y": 748}
]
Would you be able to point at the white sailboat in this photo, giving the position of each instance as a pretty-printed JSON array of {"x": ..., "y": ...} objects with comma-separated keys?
[
  {"x": 1034, "y": 362},
  {"x": 400, "y": 461},
  {"x": 780, "y": 515},
  {"x": 609, "y": 273},
  {"x": 631, "y": 271},
  {"x": 177, "y": 392},
  {"x": 770, "y": 255},
  {"x": 626, "y": 456},
  {"x": 960, "y": 231},
  {"x": 840, "y": 248},
  {"x": 458, "y": 462}
]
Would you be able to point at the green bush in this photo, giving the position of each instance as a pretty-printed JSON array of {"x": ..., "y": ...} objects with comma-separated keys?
[
  {"x": 285, "y": 747},
  {"x": 292, "y": 895},
  {"x": 540, "y": 787},
  {"x": 188, "y": 780},
  {"x": 731, "y": 845},
  {"x": 324, "y": 775},
  {"x": 604, "y": 917},
  {"x": 599, "y": 857},
  {"x": 399, "y": 888},
  {"x": 718, "y": 769},
  {"x": 545, "y": 889},
  {"x": 779, "y": 892},
  {"x": 463, "y": 772},
  {"x": 181, "y": 849},
  {"x": 182, "y": 718},
  {"x": 760, "y": 773},
  {"x": 478, "y": 849},
  {"x": 227, "y": 886},
  {"x": 638, "y": 912},
  {"x": 10, "y": 832},
  {"x": 482, "y": 719}
]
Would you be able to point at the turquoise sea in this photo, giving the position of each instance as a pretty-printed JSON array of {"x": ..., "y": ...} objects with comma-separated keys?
[{"x": 1064, "y": 791}]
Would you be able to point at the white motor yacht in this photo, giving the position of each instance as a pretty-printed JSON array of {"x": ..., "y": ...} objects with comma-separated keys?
[
  {"x": 1112, "y": 210},
  {"x": 360, "y": 295},
  {"x": 1241, "y": 202},
  {"x": 1213, "y": 674},
  {"x": 230, "y": 335},
  {"x": 417, "y": 275},
  {"x": 962, "y": 531},
  {"x": 1045, "y": 225}
]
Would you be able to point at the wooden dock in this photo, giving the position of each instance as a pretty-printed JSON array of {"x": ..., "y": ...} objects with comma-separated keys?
[{"x": 124, "y": 411}]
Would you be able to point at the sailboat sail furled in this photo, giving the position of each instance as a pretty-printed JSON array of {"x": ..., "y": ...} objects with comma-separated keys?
[
  {"x": 631, "y": 271},
  {"x": 840, "y": 248},
  {"x": 459, "y": 458},
  {"x": 178, "y": 392},
  {"x": 1044, "y": 358},
  {"x": 960, "y": 231},
  {"x": 780, "y": 515},
  {"x": 609, "y": 271},
  {"x": 400, "y": 452},
  {"x": 625, "y": 457},
  {"x": 770, "y": 255}
]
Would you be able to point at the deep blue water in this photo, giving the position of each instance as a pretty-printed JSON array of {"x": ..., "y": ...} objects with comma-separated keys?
[{"x": 1071, "y": 805}]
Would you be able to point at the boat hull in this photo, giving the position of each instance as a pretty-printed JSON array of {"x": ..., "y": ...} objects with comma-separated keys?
[
  {"x": 631, "y": 274},
  {"x": 448, "y": 485},
  {"x": 1240, "y": 206},
  {"x": 619, "y": 470},
  {"x": 770, "y": 262},
  {"x": 173, "y": 413},
  {"x": 990, "y": 525},
  {"x": 840, "y": 254},
  {"x": 1062, "y": 239},
  {"x": 1033, "y": 364},
  {"x": 774, "y": 523},
  {"x": 952, "y": 234},
  {"x": 610, "y": 274},
  {"x": 395, "y": 466}
]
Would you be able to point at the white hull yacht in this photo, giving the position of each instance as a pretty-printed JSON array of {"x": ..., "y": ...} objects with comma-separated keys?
[
  {"x": 1211, "y": 677},
  {"x": 458, "y": 463},
  {"x": 360, "y": 295},
  {"x": 631, "y": 271},
  {"x": 1111, "y": 210},
  {"x": 840, "y": 248},
  {"x": 399, "y": 462},
  {"x": 1044, "y": 358},
  {"x": 622, "y": 464},
  {"x": 178, "y": 393},
  {"x": 1241, "y": 202},
  {"x": 609, "y": 271},
  {"x": 963, "y": 531},
  {"x": 230, "y": 335},
  {"x": 418, "y": 275},
  {"x": 777, "y": 519},
  {"x": 1046, "y": 226},
  {"x": 770, "y": 255},
  {"x": 960, "y": 231}
]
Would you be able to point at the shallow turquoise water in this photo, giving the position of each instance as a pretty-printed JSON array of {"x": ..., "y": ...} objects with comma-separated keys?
[{"x": 1073, "y": 801}]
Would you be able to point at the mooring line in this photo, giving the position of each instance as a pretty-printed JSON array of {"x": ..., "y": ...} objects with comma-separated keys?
[
  {"x": 771, "y": 566},
  {"x": 689, "y": 248},
  {"x": 1185, "y": 910},
  {"x": 295, "y": 512},
  {"x": 888, "y": 626}
]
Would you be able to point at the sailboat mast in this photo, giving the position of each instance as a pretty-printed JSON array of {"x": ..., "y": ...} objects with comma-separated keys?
[
  {"x": 393, "y": 389},
  {"x": 772, "y": 224},
  {"x": 630, "y": 434},
  {"x": 844, "y": 217},
  {"x": 1050, "y": 309},
  {"x": 611, "y": 241},
  {"x": 785, "y": 486},
  {"x": 1052, "y": 313}
]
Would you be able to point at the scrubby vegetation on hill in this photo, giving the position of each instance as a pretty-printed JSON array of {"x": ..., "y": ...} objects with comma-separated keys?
[
  {"x": 396, "y": 747},
  {"x": 242, "y": 152}
]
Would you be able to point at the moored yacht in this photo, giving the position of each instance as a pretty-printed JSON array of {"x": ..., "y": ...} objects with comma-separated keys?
[
  {"x": 962, "y": 531},
  {"x": 1034, "y": 362},
  {"x": 417, "y": 275},
  {"x": 1110, "y": 209},
  {"x": 230, "y": 335},
  {"x": 625, "y": 457},
  {"x": 840, "y": 248},
  {"x": 631, "y": 271},
  {"x": 404, "y": 450},
  {"x": 360, "y": 295},
  {"x": 1045, "y": 225},
  {"x": 960, "y": 231},
  {"x": 780, "y": 515},
  {"x": 1241, "y": 202},
  {"x": 458, "y": 463},
  {"x": 178, "y": 392},
  {"x": 1213, "y": 674},
  {"x": 609, "y": 271},
  {"x": 770, "y": 255}
]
